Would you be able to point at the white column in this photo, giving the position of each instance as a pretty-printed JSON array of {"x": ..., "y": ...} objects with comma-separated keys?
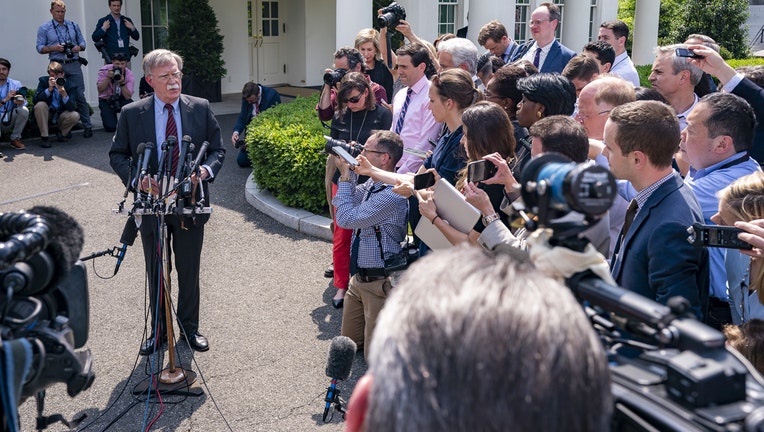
[
  {"x": 645, "y": 31},
  {"x": 422, "y": 15},
  {"x": 483, "y": 11},
  {"x": 575, "y": 32},
  {"x": 352, "y": 15}
]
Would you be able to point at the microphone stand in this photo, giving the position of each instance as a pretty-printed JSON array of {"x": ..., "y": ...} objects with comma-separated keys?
[{"x": 173, "y": 379}]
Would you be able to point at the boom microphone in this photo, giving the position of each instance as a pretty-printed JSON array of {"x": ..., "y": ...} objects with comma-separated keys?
[
  {"x": 341, "y": 356},
  {"x": 129, "y": 233}
]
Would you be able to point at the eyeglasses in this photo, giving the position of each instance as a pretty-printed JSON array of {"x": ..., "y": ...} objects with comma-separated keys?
[
  {"x": 166, "y": 77},
  {"x": 354, "y": 99},
  {"x": 537, "y": 22},
  {"x": 365, "y": 150},
  {"x": 582, "y": 117}
]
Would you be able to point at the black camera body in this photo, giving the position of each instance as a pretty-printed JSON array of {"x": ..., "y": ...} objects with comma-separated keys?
[
  {"x": 118, "y": 72},
  {"x": 332, "y": 78},
  {"x": 60, "y": 81},
  {"x": 353, "y": 149},
  {"x": 391, "y": 16},
  {"x": 68, "y": 49}
]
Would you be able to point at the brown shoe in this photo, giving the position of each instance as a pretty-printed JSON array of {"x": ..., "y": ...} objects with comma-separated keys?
[{"x": 17, "y": 144}]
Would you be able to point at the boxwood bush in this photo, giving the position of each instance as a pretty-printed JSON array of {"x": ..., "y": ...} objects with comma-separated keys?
[{"x": 285, "y": 144}]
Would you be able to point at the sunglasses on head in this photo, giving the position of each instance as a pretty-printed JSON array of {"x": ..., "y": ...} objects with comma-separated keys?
[{"x": 354, "y": 99}]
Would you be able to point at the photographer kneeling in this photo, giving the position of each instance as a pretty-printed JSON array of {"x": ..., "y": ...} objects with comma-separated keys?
[
  {"x": 378, "y": 217},
  {"x": 115, "y": 90}
]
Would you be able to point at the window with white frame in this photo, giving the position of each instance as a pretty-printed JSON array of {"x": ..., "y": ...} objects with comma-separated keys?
[
  {"x": 560, "y": 4},
  {"x": 446, "y": 16},
  {"x": 522, "y": 16},
  {"x": 154, "y": 22},
  {"x": 592, "y": 13}
]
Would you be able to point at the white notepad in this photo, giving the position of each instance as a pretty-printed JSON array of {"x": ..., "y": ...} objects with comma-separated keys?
[{"x": 453, "y": 208}]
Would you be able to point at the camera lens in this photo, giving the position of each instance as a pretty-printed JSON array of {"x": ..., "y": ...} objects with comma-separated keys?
[{"x": 60, "y": 82}]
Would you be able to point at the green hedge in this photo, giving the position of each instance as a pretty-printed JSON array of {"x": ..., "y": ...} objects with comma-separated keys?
[
  {"x": 644, "y": 70},
  {"x": 285, "y": 144}
]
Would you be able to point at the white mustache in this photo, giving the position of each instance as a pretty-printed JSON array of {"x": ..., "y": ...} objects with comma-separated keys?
[{"x": 173, "y": 87}]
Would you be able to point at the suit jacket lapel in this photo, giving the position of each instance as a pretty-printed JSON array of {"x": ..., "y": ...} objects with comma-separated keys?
[
  {"x": 148, "y": 134},
  {"x": 551, "y": 56}
]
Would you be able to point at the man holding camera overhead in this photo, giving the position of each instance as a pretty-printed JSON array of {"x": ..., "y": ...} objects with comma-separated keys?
[
  {"x": 62, "y": 41},
  {"x": 115, "y": 89},
  {"x": 53, "y": 101}
]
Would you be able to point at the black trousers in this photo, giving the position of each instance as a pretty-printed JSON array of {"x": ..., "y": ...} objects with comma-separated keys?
[{"x": 186, "y": 245}]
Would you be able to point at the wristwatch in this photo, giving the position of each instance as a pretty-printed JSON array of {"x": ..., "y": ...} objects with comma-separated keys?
[
  {"x": 490, "y": 218},
  {"x": 345, "y": 179}
]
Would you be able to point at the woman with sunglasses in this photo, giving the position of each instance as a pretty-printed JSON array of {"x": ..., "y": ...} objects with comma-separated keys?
[{"x": 357, "y": 115}]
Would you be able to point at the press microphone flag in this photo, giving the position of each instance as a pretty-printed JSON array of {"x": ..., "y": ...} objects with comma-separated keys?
[{"x": 338, "y": 366}]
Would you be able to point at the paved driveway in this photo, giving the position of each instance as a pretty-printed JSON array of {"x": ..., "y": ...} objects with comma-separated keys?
[{"x": 266, "y": 307}]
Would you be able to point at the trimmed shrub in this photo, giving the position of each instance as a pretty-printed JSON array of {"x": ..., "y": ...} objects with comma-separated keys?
[{"x": 285, "y": 144}]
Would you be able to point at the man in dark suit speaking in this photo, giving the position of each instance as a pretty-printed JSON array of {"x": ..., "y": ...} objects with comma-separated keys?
[{"x": 152, "y": 120}]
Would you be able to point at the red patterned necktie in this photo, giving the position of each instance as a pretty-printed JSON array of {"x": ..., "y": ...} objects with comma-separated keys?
[{"x": 172, "y": 130}]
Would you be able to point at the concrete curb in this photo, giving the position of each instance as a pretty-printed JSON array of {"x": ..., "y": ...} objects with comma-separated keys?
[{"x": 299, "y": 220}]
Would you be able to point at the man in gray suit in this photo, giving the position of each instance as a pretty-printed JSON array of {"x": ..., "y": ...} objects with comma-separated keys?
[{"x": 152, "y": 120}]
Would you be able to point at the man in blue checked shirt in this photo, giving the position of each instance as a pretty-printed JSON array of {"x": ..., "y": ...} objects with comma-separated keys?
[
  {"x": 62, "y": 41},
  {"x": 377, "y": 216}
]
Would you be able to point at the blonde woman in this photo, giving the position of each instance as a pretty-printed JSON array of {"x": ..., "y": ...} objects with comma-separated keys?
[{"x": 367, "y": 42}]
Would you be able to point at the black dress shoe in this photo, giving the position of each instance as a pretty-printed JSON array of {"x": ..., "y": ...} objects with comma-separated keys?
[
  {"x": 88, "y": 132},
  {"x": 329, "y": 272},
  {"x": 60, "y": 137},
  {"x": 338, "y": 303},
  {"x": 148, "y": 347},
  {"x": 196, "y": 341}
]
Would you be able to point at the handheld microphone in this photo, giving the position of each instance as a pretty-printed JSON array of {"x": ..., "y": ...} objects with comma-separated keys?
[
  {"x": 172, "y": 140},
  {"x": 200, "y": 155},
  {"x": 162, "y": 159},
  {"x": 341, "y": 356},
  {"x": 184, "y": 145},
  {"x": 129, "y": 233}
]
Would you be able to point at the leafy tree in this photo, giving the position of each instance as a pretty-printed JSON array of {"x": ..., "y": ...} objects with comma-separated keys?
[
  {"x": 720, "y": 19},
  {"x": 194, "y": 34}
]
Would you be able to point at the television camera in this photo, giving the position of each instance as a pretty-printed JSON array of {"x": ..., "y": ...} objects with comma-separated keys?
[
  {"x": 44, "y": 311},
  {"x": 669, "y": 371}
]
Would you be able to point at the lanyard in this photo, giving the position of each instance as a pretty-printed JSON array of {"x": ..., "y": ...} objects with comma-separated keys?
[{"x": 58, "y": 35}]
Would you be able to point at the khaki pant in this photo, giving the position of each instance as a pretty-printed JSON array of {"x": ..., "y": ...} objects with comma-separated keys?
[
  {"x": 363, "y": 302},
  {"x": 66, "y": 119}
]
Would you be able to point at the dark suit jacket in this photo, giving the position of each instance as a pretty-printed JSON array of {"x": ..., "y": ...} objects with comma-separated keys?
[
  {"x": 269, "y": 98},
  {"x": 110, "y": 36},
  {"x": 558, "y": 57},
  {"x": 136, "y": 125},
  {"x": 655, "y": 259},
  {"x": 71, "y": 91},
  {"x": 755, "y": 96}
]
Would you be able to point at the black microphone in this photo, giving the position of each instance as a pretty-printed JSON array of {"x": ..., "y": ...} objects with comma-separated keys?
[
  {"x": 129, "y": 233},
  {"x": 184, "y": 145},
  {"x": 341, "y": 356},
  {"x": 162, "y": 158},
  {"x": 172, "y": 140},
  {"x": 200, "y": 156},
  {"x": 147, "y": 149}
]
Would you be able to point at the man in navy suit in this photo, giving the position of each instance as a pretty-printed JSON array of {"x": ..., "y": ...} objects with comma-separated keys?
[
  {"x": 115, "y": 30},
  {"x": 652, "y": 256},
  {"x": 255, "y": 98},
  {"x": 544, "y": 51},
  {"x": 151, "y": 120}
]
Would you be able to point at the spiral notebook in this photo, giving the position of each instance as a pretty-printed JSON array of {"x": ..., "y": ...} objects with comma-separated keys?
[{"x": 453, "y": 208}]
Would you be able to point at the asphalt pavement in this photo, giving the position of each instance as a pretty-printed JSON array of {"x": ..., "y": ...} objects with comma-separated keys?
[{"x": 266, "y": 307}]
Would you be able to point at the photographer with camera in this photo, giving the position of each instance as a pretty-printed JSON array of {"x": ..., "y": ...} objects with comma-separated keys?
[
  {"x": 377, "y": 216},
  {"x": 357, "y": 116},
  {"x": 53, "y": 102},
  {"x": 13, "y": 105},
  {"x": 255, "y": 98},
  {"x": 115, "y": 90},
  {"x": 62, "y": 41},
  {"x": 346, "y": 60},
  {"x": 115, "y": 30}
]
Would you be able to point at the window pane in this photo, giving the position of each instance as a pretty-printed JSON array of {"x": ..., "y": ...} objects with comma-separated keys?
[
  {"x": 160, "y": 37},
  {"x": 274, "y": 9},
  {"x": 274, "y": 27},
  {"x": 266, "y": 10},
  {"x": 266, "y": 28},
  {"x": 148, "y": 39},
  {"x": 145, "y": 12}
]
